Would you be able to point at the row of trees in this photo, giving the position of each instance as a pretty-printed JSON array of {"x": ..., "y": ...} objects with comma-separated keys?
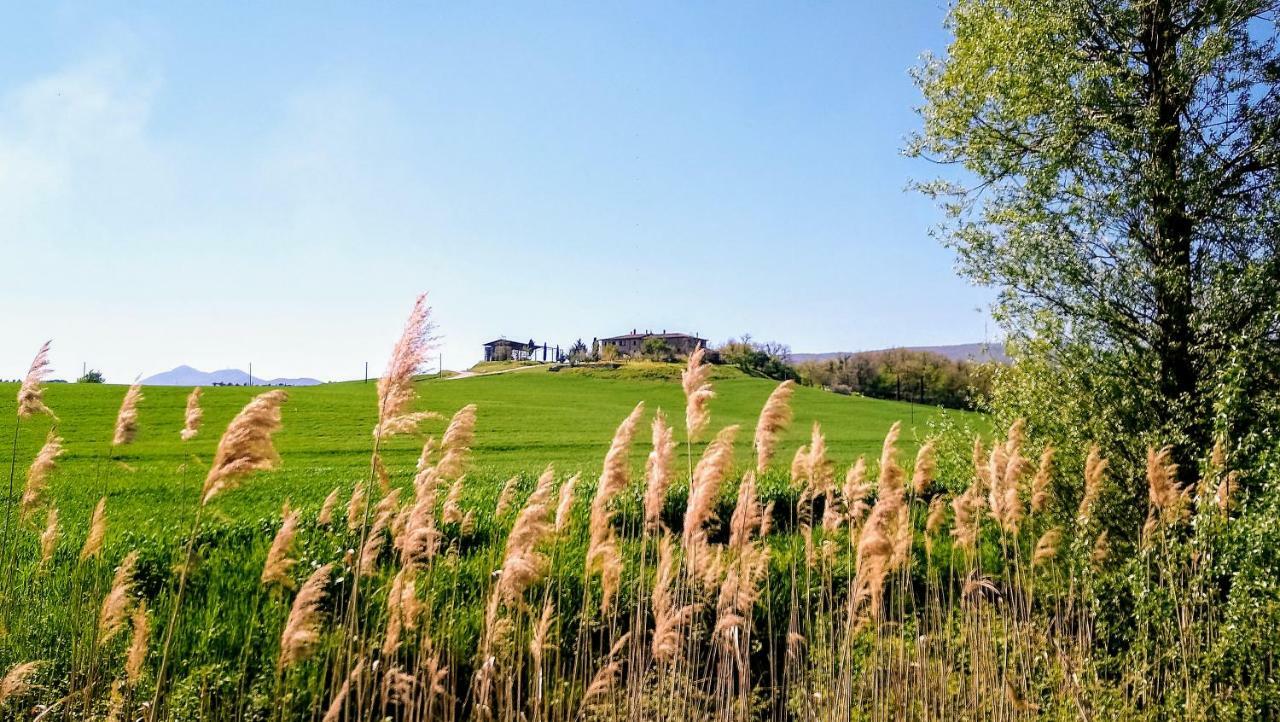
[{"x": 917, "y": 376}]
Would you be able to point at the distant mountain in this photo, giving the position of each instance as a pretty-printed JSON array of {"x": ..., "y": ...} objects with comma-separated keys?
[
  {"x": 187, "y": 376},
  {"x": 980, "y": 352}
]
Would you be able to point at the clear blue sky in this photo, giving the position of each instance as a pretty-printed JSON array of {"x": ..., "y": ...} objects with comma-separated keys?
[{"x": 213, "y": 185}]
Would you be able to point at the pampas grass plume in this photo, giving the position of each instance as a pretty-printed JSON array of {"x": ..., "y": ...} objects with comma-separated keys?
[
  {"x": 30, "y": 393},
  {"x": 302, "y": 629},
  {"x": 775, "y": 416},
  {"x": 194, "y": 416}
]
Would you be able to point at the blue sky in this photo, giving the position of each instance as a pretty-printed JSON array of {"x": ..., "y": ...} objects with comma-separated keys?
[{"x": 214, "y": 185}]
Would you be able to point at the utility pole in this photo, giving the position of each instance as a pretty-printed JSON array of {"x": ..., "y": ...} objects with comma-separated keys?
[
  {"x": 366, "y": 372},
  {"x": 250, "y": 373}
]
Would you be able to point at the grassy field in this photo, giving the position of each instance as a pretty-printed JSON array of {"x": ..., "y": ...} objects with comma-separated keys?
[{"x": 526, "y": 419}]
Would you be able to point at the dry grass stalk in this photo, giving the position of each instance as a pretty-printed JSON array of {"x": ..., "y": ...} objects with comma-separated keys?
[
  {"x": 891, "y": 474},
  {"x": 748, "y": 515},
  {"x": 696, "y": 380},
  {"x": 565, "y": 503},
  {"x": 49, "y": 537},
  {"x": 523, "y": 564},
  {"x": 1094, "y": 468},
  {"x": 278, "y": 568},
  {"x": 403, "y": 609},
  {"x": 1101, "y": 549},
  {"x": 246, "y": 444},
  {"x": 1046, "y": 547},
  {"x": 325, "y": 517},
  {"x": 38, "y": 475},
  {"x": 127, "y": 418},
  {"x": 774, "y": 419},
  {"x": 119, "y": 600},
  {"x": 376, "y": 539},
  {"x": 800, "y": 467},
  {"x": 669, "y": 620},
  {"x": 738, "y": 594},
  {"x": 507, "y": 497},
  {"x": 452, "y": 511},
  {"x": 355, "y": 506},
  {"x": 1168, "y": 500},
  {"x": 933, "y": 522},
  {"x": 31, "y": 393},
  {"x": 421, "y": 538},
  {"x": 925, "y": 468},
  {"x": 338, "y": 704},
  {"x": 137, "y": 655},
  {"x": 194, "y": 416},
  {"x": 1005, "y": 467},
  {"x": 855, "y": 492},
  {"x": 404, "y": 424},
  {"x": 17, "y": 681},
  {"x": 821, "y": 478},
  {"x": 603, "y": 555},
  {"x": 1041, "y": 485},
  {"x": 302, "y": 628},
  {"x": 97, "y": 531},
  {"x": 380, "y": 473},
  {"x": 396, "y": 392},
  {"x": 704, "y": 488},
  {"x": 456, "y": 443},
  {"x": 658, "y": 472},
  {"x": 1226, "y": 491}
]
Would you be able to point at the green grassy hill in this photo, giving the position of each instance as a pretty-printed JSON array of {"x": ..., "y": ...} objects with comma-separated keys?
[{"x": 526, "y": 419}]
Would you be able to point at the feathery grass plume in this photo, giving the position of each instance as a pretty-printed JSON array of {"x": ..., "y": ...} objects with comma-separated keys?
[
  {"x": 891, "y": 474},
  {"x": 118, "y": 602},
  {"x": 924, "y": 470},
  {"x": 669, "y": 619},
  {"x": 1046, "y": 547},
  {"x": 127, "y": 418},
  {"x": 49, "y": 538},
  {"x": 97, "y": 531},
  {"x": 452, "y": 511},
  {"x": 933, "y": 522},
  {"x": 375, "y": 540},
  {"x": 1041, "y": 491},
  {"x": 747, "y": 514},
  {"x": 403, "y": 609},
  {"x": 1017, "y": 435},
  {"x": 355, "y": 506},
  {"x": 696, "y": 380},
  {"x": 38, "y": 475},
  {"x": 1226, "y": 491},
  {"x": 602, "y": 549},
  {"x": 540, "y": 639},
  {"x": 774, "y": 418},
  {"x": 658, "y": 471},
  {"x": 1101, "y": 549},
  {"x": 1006, "y": 469},
  {"x": 380, "y": 473},
  {"x": 17, "y": 681},
  {"x": 1094, "y": 468},
  {"x": 738, "y": 594},
  {"x": 507, "y": 497},
  {"x": 302, "y": 629},
  {"x": 821, "y": 475},
  {"x": 325, "y": 517},
  {"x": 421, "y": 538},
  {"x": 708, "y": 475},
  {"x": 404, "y": 424},
  {"x": 194, "y": 416},
  {"x": 800, "y": 467},
  {"x": 522, "y": 563},
  {"x": 982, "y": 478},
  {"x": 855, "y": 492},
  {"x": 1167, "y": 499},
  {"x": 137, "y": 655},
  {"x": 279, "y": 566},
  {"x": 456, "y": 443},
  {"x": 601, "y": 684},
  {"x": 565, "y": 503},
  {"x": 396, "y": 393},
  {"x": 30, "y": 393},
  {"x": 339, "y": 702},
  {"x": 966, "y": 507},
  {"x": 246, "y": 444},
  {"x": 429, "y": 448}
]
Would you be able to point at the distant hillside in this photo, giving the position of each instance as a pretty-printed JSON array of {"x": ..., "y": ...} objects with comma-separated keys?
[
  {"x": 958, "y": 352},
  {"x": 187, "y": 376}
]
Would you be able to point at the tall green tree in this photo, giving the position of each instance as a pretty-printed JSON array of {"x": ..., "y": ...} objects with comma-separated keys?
[{"x": 1120, "y": 189}]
